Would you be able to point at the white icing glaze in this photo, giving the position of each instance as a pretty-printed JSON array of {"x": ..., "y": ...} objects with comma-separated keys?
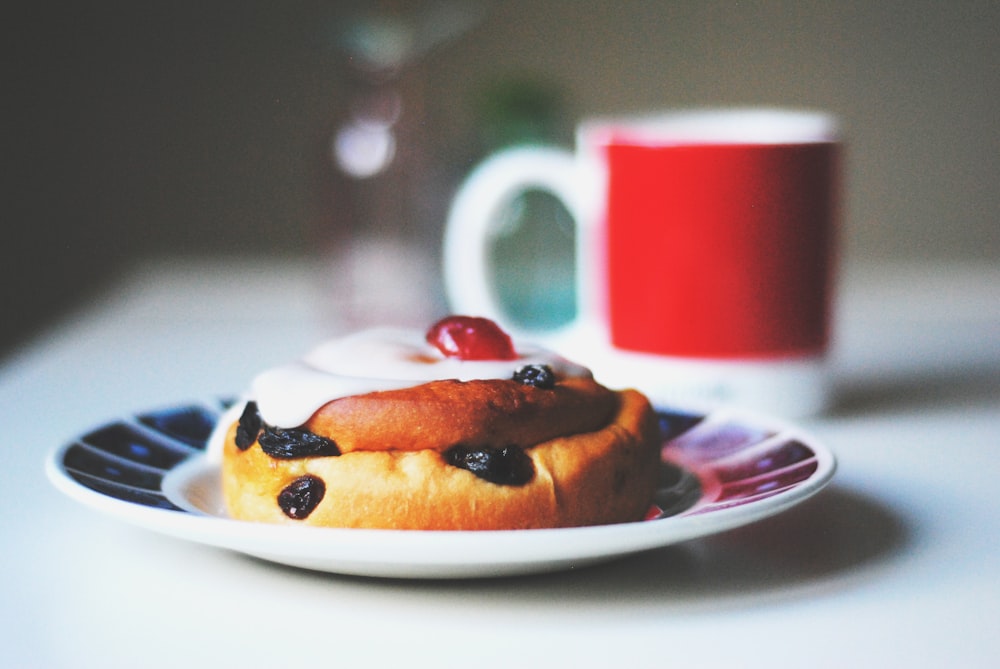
[{"x": 372, "y": 360}]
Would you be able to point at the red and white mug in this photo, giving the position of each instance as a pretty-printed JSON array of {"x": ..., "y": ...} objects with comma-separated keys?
[{"x": 705, "y": 251}]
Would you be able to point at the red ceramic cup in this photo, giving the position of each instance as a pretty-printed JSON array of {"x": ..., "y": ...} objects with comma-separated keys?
[
  {"x": 705, "y": 248},
  {"x": 719, "y": 250}
]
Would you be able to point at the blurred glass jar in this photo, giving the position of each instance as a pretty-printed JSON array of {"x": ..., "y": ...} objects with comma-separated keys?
[{"x": 390, "y": 180}]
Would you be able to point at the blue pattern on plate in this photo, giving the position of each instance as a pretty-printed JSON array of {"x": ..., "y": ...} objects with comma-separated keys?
[{"x": 127, "y": 460}]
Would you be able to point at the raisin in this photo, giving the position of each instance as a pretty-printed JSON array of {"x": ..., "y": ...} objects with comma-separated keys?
[
  {"x": 248, "y": 427},
  {"x": 539, "y": 376},
  {"x": 300, "y": 497},
  {"x": 295, "y": 443},
  {"x": 509, "y": 465}
]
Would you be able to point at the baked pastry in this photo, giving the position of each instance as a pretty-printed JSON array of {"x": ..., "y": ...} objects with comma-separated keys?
[{"x": 452, "y": 431}]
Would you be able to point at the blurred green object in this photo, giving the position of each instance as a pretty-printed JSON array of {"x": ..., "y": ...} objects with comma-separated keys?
[
  {"x": 534, "y": 259},
  {"x": 533, "y": 252},
  {"x": 520, "y": 110}
]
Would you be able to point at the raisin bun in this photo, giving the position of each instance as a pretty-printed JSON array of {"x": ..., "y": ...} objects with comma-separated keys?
[{"x": 454, "y": 429}]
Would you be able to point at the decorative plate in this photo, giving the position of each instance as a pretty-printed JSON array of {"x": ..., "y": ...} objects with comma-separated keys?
[{"x": 721, "y": 469}]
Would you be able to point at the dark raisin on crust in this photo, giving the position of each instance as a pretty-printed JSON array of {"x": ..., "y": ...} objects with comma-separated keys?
[
  {"x": 248, "y": 427},
  {"x": 539, "y": 376},
  {"x": 298, "y": 499},
  {"x": 509, "y": 465},
  {"x": 287, "y": 444}
]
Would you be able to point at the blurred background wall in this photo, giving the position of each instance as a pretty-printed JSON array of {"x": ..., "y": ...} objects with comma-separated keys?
[{"x": 137, "y": 130}]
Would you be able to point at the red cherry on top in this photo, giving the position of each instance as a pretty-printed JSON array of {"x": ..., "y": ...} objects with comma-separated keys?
[{"x": 471, "y": 338}]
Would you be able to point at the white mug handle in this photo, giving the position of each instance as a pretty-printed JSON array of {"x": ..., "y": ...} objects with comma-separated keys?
[{"x": 474, "y": 215}]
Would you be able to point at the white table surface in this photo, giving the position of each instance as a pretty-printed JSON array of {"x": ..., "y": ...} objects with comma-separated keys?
[{"x": 895, "y": 564}]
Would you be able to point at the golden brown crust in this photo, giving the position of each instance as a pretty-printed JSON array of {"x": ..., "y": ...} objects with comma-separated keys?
[
  {"x": 439, "y": 414},
  {"x": 604, "y": 476}
]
